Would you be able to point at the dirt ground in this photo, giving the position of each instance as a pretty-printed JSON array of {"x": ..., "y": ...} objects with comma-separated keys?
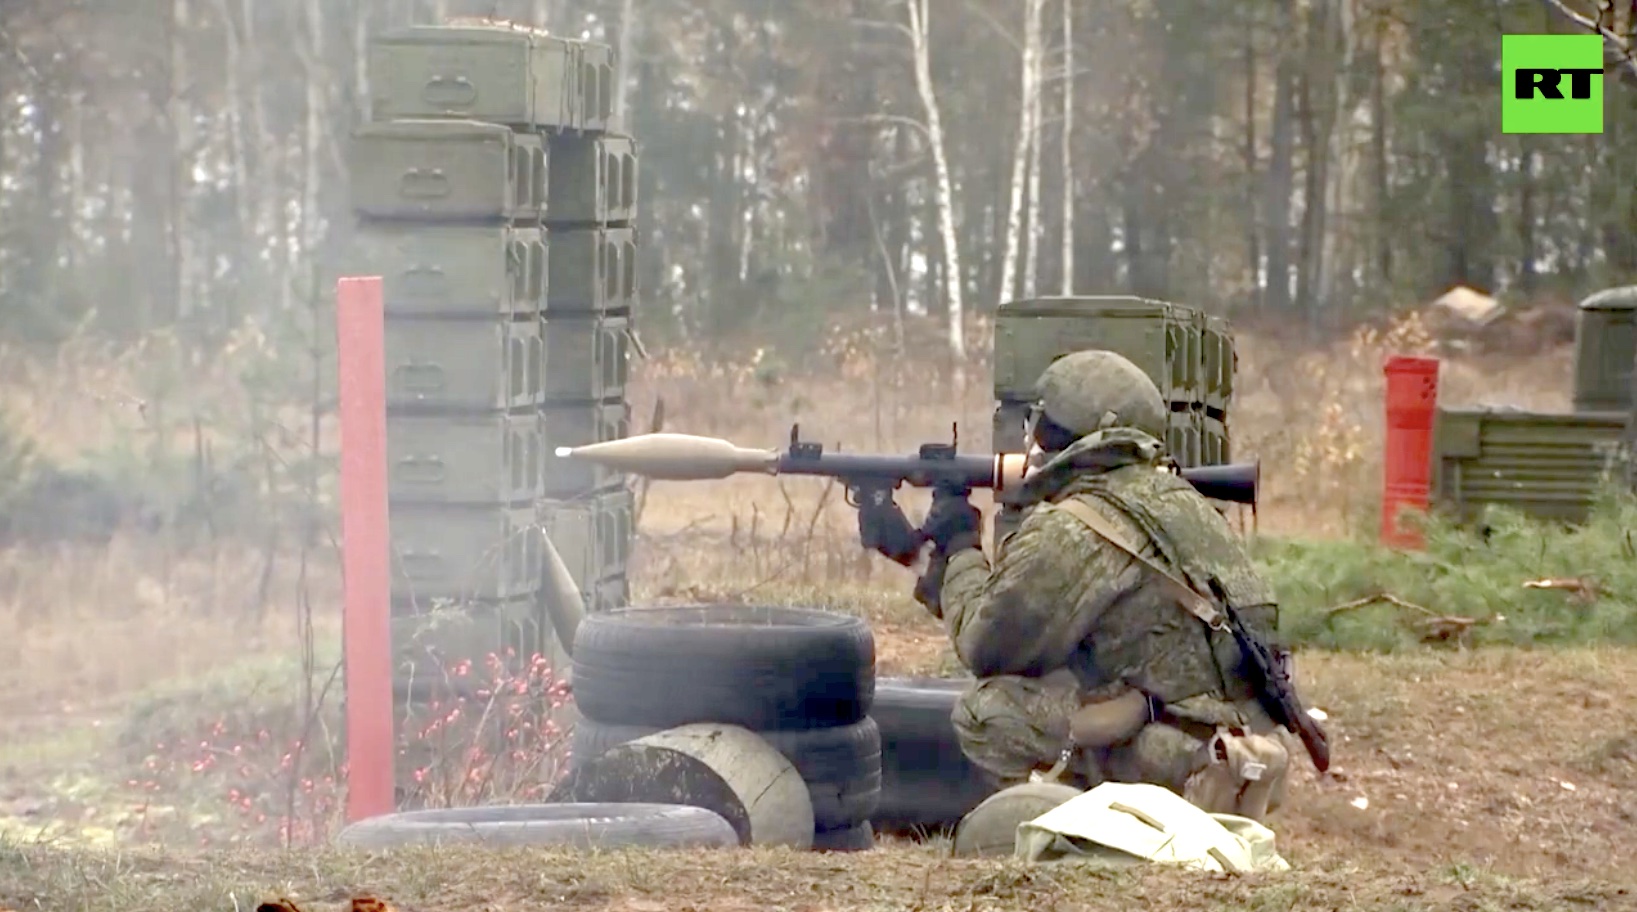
[{"x": 1465, "y": 780}]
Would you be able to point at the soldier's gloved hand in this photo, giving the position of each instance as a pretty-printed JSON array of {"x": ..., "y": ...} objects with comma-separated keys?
[
  {"x": 883, "y": 527},
  {"x": 929, "y": 588},
  {"x": 953, "y": 523}
]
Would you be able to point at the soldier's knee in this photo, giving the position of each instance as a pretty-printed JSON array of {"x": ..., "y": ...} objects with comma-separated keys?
[{"x": 1013, "y": 725}]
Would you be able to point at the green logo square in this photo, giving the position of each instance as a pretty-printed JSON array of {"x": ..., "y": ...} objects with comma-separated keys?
[{"x": 1551, "y": 84}]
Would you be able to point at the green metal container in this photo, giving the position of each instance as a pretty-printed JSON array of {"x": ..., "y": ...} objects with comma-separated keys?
[
  {"x": 587, "y": 356},
  {"x": 593, "y": 180},
  {"x": 591, "y": 269},
  {"x": 1214, "y": 441},
  {"x": 578, "y": 425},
  {"x": 1185, "y": 438},
  {"x": 463, "y": 553},
  {"x": 598, "y": 71},
  {"x": 454, "y": 270},
  {"x": 499, "y": 75},
  {"x": 591, "y": 533},
  {"x": 1545, "y": 465},
  {"x": 1220, "y": 362},
  {"x": 470, "y": 365},
  {"x": 484, "y": 458},
  {"x": 1604, "y": 340},
  {"x": 447, "y": 170},
  {"x": 430, "y": 645},
  {"x": 1161, "y": 338}
]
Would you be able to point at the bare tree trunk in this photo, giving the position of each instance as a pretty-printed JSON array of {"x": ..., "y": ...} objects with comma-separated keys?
[
  {"x": 1067, "y": 288},
  {"x": 1031, "y": 253},
  {"x": 1378, "y": 154},
  {"x": 262, "y": 159},
  {"x": 622, "y": 66},
  {"x": 945, "y": 196},
  {"x": 360, "y": 59},
  {"x": 314, "y": 136},
  {"x": 179, "y": 115},
  {"x": 1020, "y": 152},
  {"x": 1253, "y": 234},
  {"x": 75, "y": 125},
  {"x": 1281, "y": 169}
]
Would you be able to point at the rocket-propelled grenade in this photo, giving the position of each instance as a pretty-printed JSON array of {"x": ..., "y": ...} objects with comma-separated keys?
[{"x": 685, "y": 457}]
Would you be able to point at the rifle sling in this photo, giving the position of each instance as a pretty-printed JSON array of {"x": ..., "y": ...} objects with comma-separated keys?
[{"x": 1196, "y": 604}]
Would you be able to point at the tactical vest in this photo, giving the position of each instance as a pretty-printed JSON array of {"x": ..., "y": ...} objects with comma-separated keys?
[{"x": 1170, "y": 654}]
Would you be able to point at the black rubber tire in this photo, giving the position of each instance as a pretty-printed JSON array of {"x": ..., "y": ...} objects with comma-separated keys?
[
  {"x": 841, "y": 764},
  {"x": 585, "y": 826},
  {"x": 763, "y": 668},
  {"x": 859, "y": 838},
  {"x": 926, "y": 781}
]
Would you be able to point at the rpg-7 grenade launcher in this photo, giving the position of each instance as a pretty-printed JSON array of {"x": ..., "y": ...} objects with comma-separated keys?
[{"x": 684, "y": 457}]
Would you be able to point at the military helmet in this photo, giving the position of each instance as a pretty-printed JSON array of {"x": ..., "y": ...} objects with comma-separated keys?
[{"x": 1088, "y": 391}]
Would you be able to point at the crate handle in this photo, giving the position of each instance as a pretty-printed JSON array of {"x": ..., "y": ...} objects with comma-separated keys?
[
  {"x": 424, "y": 183},
  {"x": 420, "y": 378},
  {"x": 449, "y": 92},
  {"x": 422, "y": 470}
]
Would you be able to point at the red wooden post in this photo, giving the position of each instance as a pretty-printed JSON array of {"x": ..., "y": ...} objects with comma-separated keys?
[
  {"x": 366, "y": 622},
  {"x": 1412, "y": 402}
]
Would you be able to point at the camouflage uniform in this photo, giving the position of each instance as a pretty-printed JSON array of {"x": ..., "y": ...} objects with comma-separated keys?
[{"x": 1063, "y": 614}]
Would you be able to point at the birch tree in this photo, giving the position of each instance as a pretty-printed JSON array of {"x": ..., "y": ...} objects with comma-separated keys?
[
  {"x": 622, "y": 63},
  {"x": 1032, "y": 38},
  {"x": 1020, "y": 153},
  {"x": 944, "y": 196},
  {"x": 1067, "y": 151}
]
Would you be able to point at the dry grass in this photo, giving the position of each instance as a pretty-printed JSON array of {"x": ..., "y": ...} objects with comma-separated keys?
[
  {"x": 742, "y": 881},
  {"x": 1445, "y": 794}
]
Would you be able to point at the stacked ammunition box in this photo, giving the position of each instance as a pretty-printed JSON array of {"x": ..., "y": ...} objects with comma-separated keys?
[
  {"x": 1189, "y": 356},
  {"x": 495, "y": 195}
]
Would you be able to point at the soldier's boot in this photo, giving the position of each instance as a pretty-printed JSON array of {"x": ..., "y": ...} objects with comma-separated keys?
[{"x": 1243, "y": 774}]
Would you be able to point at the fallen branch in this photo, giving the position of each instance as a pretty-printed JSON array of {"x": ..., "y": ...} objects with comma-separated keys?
[
  {"x": 1581, "y": 590},
  {"x": 1434, "y": 628},
  {"x": 1377, "y": 599}
]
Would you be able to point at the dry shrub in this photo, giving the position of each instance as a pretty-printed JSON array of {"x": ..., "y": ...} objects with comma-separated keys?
[{"x": 261, "y": 769}]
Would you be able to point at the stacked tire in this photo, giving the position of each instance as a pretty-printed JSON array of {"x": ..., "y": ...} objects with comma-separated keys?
[
  {"x": 928, "y": 785},
  {"x": 803, "y": 680}
]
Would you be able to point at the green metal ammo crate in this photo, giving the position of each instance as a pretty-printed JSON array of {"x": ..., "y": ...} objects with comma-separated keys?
[
  {"x": 469, "y": 365},
  {"x": 495, "y": 74},
  {"x": 1161, "y": 338},
  {"x": 593, "y": 180},
  {"x": 463, "y": 553},
  {"x": 455, "y": 270},
  {"x": 1546, "y": 465},
  {"x": 578, "y": 425},
  {"x": 1604, "y": 338},
  {"x": 588, "y": 354},
  {"x": 591, "y": 269},
  {"x": 447, "y": 170},
  {"x": 1220, "y": 362},
  {"x": 484, "y": 458},
  {"x": 591, "y": 533}
]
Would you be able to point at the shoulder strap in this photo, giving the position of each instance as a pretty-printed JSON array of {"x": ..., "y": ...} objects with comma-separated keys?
[{"x": 1196, "y": 604}]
